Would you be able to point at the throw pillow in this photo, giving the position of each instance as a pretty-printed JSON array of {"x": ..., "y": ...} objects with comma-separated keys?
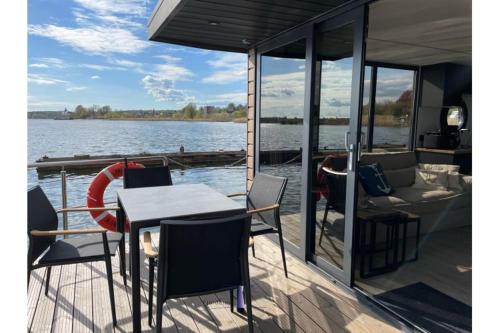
[
  {"x": 430, "y": 180},
  {"x": 374, "y": 181},
  {"x": 400, "y": 177},
  {"x": 454, "y": 179}
]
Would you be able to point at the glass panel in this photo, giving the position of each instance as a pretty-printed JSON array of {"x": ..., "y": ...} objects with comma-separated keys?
[
  {"x": 366, "y": 107},
  {"x": 281, "y": 119},
  {"x": 414, "y": 210},
  {"x": 393, "y": 108},
  {"x": 332, "y": 111}
]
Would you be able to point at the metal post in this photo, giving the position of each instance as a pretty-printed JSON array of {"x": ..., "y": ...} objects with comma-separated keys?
[{"x": 64, "y": 199}]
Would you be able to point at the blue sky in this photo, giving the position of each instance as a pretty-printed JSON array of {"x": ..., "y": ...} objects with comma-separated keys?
[{"x": 96, "y": 52}]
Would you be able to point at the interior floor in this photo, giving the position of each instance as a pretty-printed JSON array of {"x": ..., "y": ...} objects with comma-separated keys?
[{"x": 444, "y": 263}]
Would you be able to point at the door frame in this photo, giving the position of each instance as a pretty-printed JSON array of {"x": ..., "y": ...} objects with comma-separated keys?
[{"x": 357, "y": 17}]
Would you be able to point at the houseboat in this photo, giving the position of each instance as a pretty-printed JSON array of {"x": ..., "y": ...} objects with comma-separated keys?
[{"x": 390, "y": 217}]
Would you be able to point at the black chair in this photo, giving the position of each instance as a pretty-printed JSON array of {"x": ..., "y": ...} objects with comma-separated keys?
[
  {"x": 336, "y": 182},
  {"x": 264, "y": 200},
  {"x": 147, "y": 177},
  {"x": 203, "y": 257},
  {"x": 45, "y": 251}
]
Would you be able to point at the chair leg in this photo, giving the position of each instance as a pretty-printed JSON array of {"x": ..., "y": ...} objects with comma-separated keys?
[
  {"x": 159, "y": 310},
  {"x": 47, "y": 281},
  {"x": 231, "y": 299},
  {"x": 151, "y": 282},
  {"x": 253, "y": 249},
  {"x": 248, "y": 299},
  {"x": 323, "y": 224},
  {"x": 29, "y": 275},
  {"x": 109, "y": 273},
  {"x": 122, "y": 265},
  {"x": 282, "y": 246}
]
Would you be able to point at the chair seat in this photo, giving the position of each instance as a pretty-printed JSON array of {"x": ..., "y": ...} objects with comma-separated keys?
[
  {"x": 260, "y": 228},
  {"x": 86, "y": 248}
]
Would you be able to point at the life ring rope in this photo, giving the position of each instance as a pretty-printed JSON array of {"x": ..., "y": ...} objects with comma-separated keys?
[{"x": 95, "y": 193}]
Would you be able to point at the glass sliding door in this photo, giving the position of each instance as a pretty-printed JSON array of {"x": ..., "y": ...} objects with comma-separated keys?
[
  {"x": 335, "y": 141},
  {"x": 282, "y": 87}
]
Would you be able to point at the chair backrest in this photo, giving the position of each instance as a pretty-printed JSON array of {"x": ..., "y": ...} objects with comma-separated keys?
[
  {"x": 266, "y": 191},
  {"x": 146, "y": 177},
  {"x": 203, "y": 256},
  {"x": 336, "y": 182},
  {"x": 41, "y": 216}
]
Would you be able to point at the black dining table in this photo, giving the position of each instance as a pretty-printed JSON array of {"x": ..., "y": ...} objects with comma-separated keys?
[{"x": 145, "y": 207}]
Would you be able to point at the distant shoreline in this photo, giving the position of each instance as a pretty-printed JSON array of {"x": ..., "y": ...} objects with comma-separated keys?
[{"x": 236, "y": 120}]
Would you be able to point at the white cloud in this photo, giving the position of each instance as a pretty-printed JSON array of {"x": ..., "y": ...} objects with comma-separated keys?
[
  {"x": 44, "y": 80},
  {"x": 168, "y": 58},
  {"x": 173, "y": 72},
  {"x": 128, "y": 7},
  {"x": 163, "y": 90},
  {"x": 71, "y": 89},
  {"x": 94, "y": 40},
  {"x": 95, "y": 77},
  {"x": 85, "y": 18},
  {"x": 230, "y": 67},
  {"x": 101, "y": 67},
  {"x": 161, "y": 80},
  {"x": 48, "y": 62},
  {"x": 38, "y": 65}
]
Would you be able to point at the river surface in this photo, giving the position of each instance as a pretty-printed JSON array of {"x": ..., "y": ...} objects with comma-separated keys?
[{"x": 58, "y": 138}]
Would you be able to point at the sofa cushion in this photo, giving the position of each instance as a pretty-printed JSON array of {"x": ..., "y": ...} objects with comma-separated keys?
[
  {"x": 386, "y": 201},
  {"x": 415, "y": 195},
  {"x": 373, "y": 180},
  {"x": 467, "y": 183},
  {"x": 430, "y": 180},
  {"x": 401, "y": 177},
  {"x": 390, "y": 161},
  {"x": 454, "y": 181},
  {"x": 439, "y": 167}
]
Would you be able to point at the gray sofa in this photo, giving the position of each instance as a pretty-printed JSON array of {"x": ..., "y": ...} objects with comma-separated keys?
[{"x": 439, "y": 208}]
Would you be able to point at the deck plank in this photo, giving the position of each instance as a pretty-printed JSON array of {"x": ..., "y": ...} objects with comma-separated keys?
[
  {"x": 82, "y": 314},
  {"x": 181, "y": 316},
  {"x": 42, "y": 322},
  {"x": 63, "y": 315},
  {"x": 202, "y": 318},
  {"x": 101, "y": 306},
  {"x": 34, "y": 290},
  {"x": 123, "y": 309},
  {"x": 305, "y": 302}
]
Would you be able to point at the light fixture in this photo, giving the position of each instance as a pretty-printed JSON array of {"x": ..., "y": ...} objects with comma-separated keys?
[
  {"x": 214, "y": 23},
  {"x": 246, "y": 41}
]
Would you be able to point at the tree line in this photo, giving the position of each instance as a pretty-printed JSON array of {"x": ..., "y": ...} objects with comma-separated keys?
[{"x": 188, "y": 112}]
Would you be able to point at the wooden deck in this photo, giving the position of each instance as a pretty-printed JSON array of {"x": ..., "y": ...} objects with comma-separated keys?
[{"x": 305, "y": 302}]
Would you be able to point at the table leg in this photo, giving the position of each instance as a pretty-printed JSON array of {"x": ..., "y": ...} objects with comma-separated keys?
[
  {"x": 135, "y": 276},
  {"x": 240, "y": 300},
  {"x": 120, "y": 227}
]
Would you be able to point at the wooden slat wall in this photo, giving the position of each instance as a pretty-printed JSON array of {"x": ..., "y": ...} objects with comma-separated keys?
[{"x": 251, "y": 116}]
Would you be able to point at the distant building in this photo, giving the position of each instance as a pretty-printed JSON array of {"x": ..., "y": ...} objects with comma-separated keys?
[{"x": 207, "y": 110}]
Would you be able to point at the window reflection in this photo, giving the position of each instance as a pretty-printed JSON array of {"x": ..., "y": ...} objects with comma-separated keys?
[
  {"x": 281, "y": 118},
  {"x": 393, "y": 108}
]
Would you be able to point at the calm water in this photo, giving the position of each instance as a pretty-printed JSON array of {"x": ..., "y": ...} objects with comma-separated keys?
[{"x": 56, "y": 138}]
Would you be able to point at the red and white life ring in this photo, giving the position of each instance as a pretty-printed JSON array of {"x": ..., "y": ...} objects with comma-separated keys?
[{"x": 95, "y": 193}]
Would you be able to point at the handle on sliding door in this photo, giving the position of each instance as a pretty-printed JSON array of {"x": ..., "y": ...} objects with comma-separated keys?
[
  {"x": 361, "y": 144},
  {"x": 346, "y": 140}
]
